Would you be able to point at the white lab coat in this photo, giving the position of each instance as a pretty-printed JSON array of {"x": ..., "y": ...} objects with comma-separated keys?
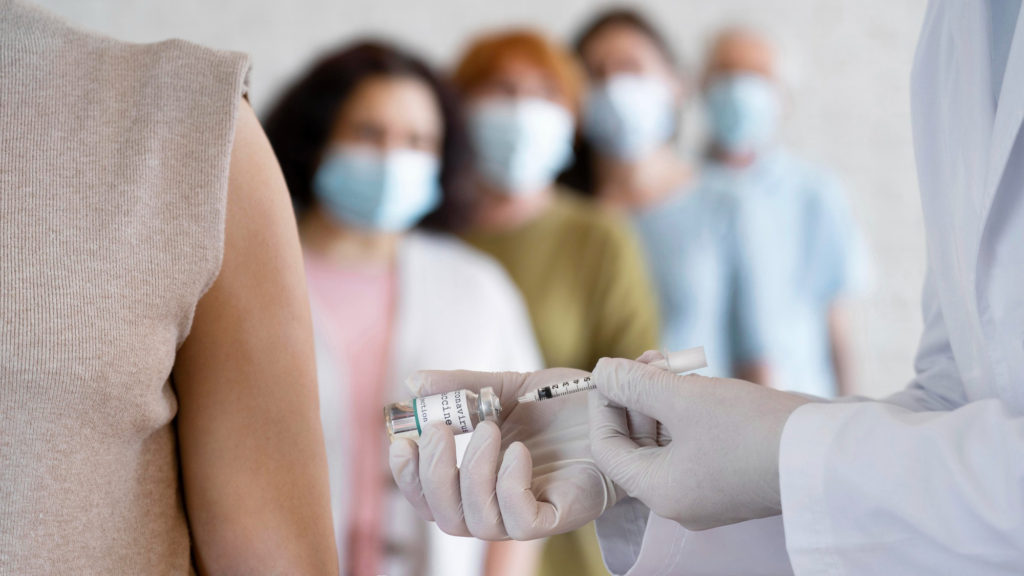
[
  {"x": 456, "y": 309},
  {"x": 931, "y": 481}
]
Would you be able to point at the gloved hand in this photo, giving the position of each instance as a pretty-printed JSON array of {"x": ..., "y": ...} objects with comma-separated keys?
[
  {"x": 530, "y": 478},
  {"x": 719, "y": 461}
]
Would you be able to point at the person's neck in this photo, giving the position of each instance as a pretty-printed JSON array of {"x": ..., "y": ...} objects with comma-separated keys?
[
  {"x": 499, "y": 211},
  {"x": 733, "y": 160},
  {"x": 636, "y": 184},
  {"x": 346, "y": 245}
]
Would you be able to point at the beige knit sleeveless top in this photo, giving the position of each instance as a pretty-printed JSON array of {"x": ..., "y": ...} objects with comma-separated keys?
[{"x": 113, "y": 179}]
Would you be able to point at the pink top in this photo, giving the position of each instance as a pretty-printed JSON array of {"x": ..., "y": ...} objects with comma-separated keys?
[{"x": 356, "y": 306}]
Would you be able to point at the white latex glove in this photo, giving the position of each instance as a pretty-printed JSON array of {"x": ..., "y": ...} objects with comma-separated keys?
[
  {"x": 531, "y": 478},
  {"x": 719, "y": 461}
]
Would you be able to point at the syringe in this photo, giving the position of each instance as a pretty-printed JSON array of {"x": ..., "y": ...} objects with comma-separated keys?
[{"x": 676, "y": 362}]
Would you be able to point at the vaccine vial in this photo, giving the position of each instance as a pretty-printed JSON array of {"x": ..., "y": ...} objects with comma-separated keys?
[{"x": 460, "y": 410}]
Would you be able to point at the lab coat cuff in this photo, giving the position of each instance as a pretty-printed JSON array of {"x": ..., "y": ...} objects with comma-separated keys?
[
  {"x": 620, "y": 532},
  {"x": 805, "y": 445}
]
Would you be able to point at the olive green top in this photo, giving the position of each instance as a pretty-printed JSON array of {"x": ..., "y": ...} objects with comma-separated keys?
[{"x": 584, "y": 279}]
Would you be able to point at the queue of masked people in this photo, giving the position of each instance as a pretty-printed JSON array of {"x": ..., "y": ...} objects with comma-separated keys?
[{"x": 528, "y": 204}]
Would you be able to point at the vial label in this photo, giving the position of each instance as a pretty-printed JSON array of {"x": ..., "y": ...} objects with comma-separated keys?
[{"x": 448, "y": 407}]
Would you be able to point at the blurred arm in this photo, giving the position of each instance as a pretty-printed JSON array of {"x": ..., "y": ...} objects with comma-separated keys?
[
  {"x": 750, "y": 361},
  {"x": 847, "y": 275},
  {"x": 252, "y": 454},
  {"x": 756, "y": 372},
  {"x": 513, "y": 558},
  {"x": 841, "y": 346}
]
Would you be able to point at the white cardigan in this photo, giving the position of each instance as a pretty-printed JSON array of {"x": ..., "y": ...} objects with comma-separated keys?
[{"x": 456, "y": 308}]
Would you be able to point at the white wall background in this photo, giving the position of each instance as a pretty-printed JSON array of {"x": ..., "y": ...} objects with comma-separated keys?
[{"x": 851, "y": 106}]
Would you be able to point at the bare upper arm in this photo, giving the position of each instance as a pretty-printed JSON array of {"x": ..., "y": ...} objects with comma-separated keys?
[
  {"x": 841, "y": 346},
  {"x": 252, "y": 453}
]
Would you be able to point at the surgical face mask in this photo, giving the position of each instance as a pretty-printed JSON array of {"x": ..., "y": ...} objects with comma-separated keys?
[
  {"x": 388, "y": 192},
  {"x": 629, "y": 116},
  {"x": 521, "y": 145},
  {"x": 743, "y": 111}
]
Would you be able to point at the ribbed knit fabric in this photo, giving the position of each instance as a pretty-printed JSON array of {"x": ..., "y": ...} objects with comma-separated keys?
[{"x": 113, "y": 179}]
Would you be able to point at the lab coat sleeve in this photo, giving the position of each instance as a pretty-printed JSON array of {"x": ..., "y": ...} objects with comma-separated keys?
[
  {"x": 937, "y": 384},
  {"x": 637, "y": 542},
  {"x": 923, "y": 483},
  {"x": 875, "y": 488}
]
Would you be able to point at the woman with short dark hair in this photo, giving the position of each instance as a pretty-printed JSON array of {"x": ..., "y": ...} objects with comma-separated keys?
[{"x": 372, "y": 146}]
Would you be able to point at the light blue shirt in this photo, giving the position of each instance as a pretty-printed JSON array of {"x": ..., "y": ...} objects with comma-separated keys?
[
  {"x": 803, "y": 251},
  {"x": 691, "y": 247}
]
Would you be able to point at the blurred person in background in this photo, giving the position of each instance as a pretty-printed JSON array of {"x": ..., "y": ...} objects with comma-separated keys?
[
  {"x": 625, "y": 157},
  {"x": 628, "y": 160},
  {"x": 760, "y": 481},
  {"x": 580, "y": 268},
  {"x": 375, "y": 156},
  {"x": 806, "y": 256},
  {"x": 158, "y": 405}
]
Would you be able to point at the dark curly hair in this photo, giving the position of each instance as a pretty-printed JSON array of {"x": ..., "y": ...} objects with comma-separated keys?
[{"x": 300, "y": 123}]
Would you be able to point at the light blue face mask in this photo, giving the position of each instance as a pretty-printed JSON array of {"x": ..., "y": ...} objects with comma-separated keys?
[
  {"x": 521, "y": 145},
  {"x": 743, "y": 112},
  {"x": 629, "y": 116},
  {"x": 388, "y": 192}
]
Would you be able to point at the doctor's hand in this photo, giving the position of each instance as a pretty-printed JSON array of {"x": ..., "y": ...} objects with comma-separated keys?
[
  {"x": 531, "y": 477},
  {"x": 721, "y": 463}
]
